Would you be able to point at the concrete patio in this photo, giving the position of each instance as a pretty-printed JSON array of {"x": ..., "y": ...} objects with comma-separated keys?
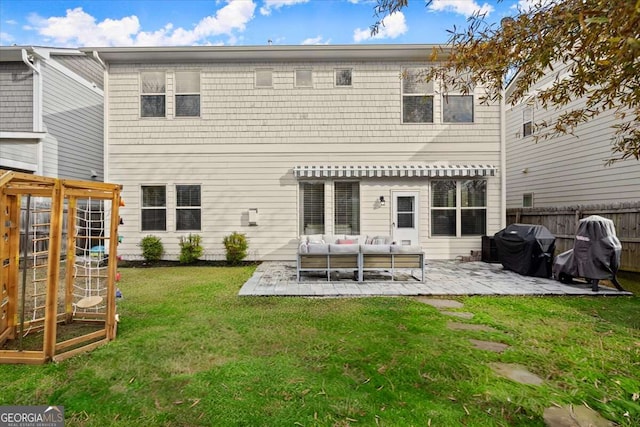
[{"x": 441, "y": 278}]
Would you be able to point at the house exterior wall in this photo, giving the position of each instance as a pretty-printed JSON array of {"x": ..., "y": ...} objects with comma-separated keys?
[
  {"x": 16, "y": 97},
  {"x": 569, "y": 169},
  {"x": 51, "y": 115},
  {"x": 243, "y": 148},
  {"x": 73, "y": 119}
]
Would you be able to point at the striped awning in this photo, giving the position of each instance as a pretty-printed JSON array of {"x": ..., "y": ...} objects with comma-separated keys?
[{"x": 392, "y": 170}]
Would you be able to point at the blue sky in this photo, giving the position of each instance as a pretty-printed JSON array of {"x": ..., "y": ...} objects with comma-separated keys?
[{"x": 231, "y": 22}]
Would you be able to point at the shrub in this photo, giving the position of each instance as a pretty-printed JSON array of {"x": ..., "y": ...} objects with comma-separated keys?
[
  {"x": 190, "y": 248},
  {"x": 152, "y": 248},
  {"x": 236, "y": 246}
]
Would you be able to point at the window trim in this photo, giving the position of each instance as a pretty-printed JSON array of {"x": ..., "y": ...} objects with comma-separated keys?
[
  {"x": 141, "y": 94},
  {"x": 142, "y": 207},
  {"x": 178, "y": 207},
  {"x": 335, "y": 77},
  {"x": 458, "y": 209},
  {"x": 176, "y": 94},
  {"x": 255, "y": 78}
]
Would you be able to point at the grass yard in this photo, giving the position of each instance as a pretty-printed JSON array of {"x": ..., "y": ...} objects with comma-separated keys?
[{"x": 191, "y": 352}]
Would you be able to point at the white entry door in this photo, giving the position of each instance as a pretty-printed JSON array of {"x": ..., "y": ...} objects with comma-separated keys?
[{"x": 405, "y": 224}]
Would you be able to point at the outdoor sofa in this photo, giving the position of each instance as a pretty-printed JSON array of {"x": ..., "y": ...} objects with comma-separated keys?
[{"x": 356, "y": 254}]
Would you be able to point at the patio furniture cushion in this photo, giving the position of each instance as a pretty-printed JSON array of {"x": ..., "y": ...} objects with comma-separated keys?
[
  {"x": 379, "y": 240},
  {"x": 344, "y": 248},
  {"x": 406, "y": 249},
  {"x": 318, "y": 248},
  {"x": 303, "y": 248},
  {"x": 375, "y": 249},
  {"x": 346, "y": 242},
  {"x": 360, "y": 239},
  {"x": 315, "y": 238}
]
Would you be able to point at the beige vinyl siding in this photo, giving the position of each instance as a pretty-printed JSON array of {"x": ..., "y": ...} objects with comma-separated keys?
[
  {"x": 569, "y": 169},
  {"x": 245, "y": 144},
  {"x": 16, "y": 97},
  {"x": 73, "y": 116}
]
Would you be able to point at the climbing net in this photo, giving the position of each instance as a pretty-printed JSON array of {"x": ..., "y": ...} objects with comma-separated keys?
[{"x": 90, "y": 266}]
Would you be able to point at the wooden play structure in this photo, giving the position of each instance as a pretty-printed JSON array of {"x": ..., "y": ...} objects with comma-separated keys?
[{"x": 58, "y": 243}]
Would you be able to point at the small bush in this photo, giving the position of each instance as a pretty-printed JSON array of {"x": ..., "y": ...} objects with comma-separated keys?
[
  {"x": 190, "y": 248},
  {"x": 236, "y": 246},
  {"x": 152, "y": 248}
]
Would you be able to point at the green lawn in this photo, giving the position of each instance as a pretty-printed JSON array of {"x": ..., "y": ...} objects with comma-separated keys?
[{"x": 191, "y": 352}]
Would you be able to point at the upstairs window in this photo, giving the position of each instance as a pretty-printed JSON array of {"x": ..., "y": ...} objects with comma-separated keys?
[
  {"x": 154, "y": 208},
  {"x": 527, "y": 121},
  {"x": 343, "y": 77},
  {"x": 417, "y": 98},
  {"x": 264, "y": 77},
  {"x": 457, "y": 108},
  {"x": 188, "y": 208},
  {"x": 187, "y": 93},
  {"x": 152, "y": 94},
  {"x": 303, "y": 78}
]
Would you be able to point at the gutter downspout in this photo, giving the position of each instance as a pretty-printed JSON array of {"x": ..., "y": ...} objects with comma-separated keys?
[
  {"x": 37, "y": 101},
  {"x": 105, "y": 114},
  {"x": 503, "y": 162}
]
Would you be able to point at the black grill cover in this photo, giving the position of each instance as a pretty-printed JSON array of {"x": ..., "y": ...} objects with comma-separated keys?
[
  {"x": 526, "y": 249},
  {"x": 595, "y": 254}
]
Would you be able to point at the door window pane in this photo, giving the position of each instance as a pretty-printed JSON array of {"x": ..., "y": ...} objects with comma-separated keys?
[{"x": 405, "y": 212}]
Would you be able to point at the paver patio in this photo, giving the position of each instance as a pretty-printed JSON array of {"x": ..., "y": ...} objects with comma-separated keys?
[{"x": 442, "y": 277}]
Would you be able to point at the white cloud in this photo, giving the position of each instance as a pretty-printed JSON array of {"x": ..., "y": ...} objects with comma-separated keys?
[
  {"x": 78, "y": 28},
  {"x": 527, "y": 5},
  {"x": 315, "y": 40},
  {"x": 270, "y": 5},
  {"x": 462, "y": 7},
  {"x": 6, "y": 38},
  {"x": 393, "y": 26}
]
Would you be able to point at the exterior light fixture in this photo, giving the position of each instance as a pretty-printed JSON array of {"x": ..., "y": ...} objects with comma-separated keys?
[{"x": 382, "y": 201}]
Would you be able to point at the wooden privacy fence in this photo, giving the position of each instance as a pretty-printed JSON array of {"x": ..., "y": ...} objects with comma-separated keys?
[{"x": 563, "y": 223}]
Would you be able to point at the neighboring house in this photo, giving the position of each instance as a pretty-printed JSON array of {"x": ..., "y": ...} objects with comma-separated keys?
[
  {"x": 567, "y": 170},
  {"x": 280, "y": 141},
  {"x": 51, "y": 112}
]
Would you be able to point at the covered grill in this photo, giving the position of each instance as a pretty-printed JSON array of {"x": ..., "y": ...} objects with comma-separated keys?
[
  {"x": 595, "y": 255},
  {"x": 526, "y": 249}
]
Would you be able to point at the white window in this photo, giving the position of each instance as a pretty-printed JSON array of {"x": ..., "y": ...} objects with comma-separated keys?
[
  {"x": 347, "y": 207},
  {"x": 152, "y": 94},
  {"x": 343, "y": 77},
  {"x": 188, "y": 208},
  {"x": 154, "y": 208},
  {"x": 187, "y": 93},
  {"x": 417, "y": 98},
  {"x": 457, "y": 108},
  {"x": 458, "y": 208},
  {"x": 527, "y": 121},
  {"x": 527, "y": 200},
  {"x": 312, "y": 207},
  {"x": 264, "y": 77},
  {"x": 303, "y": 78}
]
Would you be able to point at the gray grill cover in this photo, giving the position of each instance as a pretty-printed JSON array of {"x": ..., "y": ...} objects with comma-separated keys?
[
  {"x": 595, "y": 254},
  {"x": 526, "y": 249}
]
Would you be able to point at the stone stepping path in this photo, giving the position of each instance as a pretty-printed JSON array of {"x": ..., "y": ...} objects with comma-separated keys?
[
  {"x": 496, "y": 347},
  {"x": 556, "y": 416},
  {"x": 515, "y": 372},
  {"x": 574, "y": 416}
]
